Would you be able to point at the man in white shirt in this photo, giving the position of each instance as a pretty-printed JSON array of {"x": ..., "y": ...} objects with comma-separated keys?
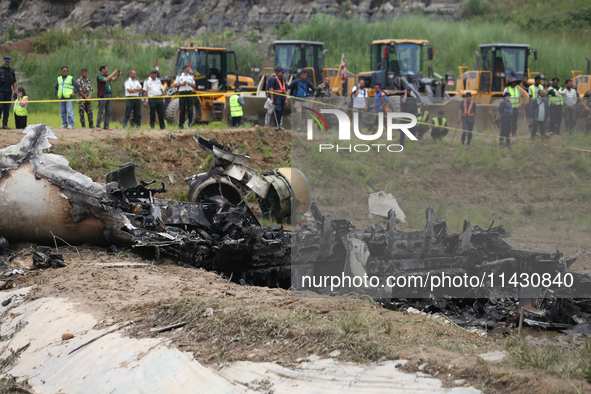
[
  {"x": 570, "y": 101},
  {"x": 359, "y": 95},
  {"x": 153, "y": 88},
  {"x": 186, "y": 83},
  {"x": 133, "y": 89}
]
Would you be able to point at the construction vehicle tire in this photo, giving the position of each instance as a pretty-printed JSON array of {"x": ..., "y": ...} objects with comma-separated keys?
[{"x": 172, "y": 111}]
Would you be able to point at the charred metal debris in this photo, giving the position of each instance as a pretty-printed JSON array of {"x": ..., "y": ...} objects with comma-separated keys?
[
  {"x": 332, "y": 247},
  {"x": 219, "y": 232},
  {"x": 279, "y": 191}
]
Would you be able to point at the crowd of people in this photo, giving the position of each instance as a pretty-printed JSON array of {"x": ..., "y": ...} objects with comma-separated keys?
[
  {"x": 547, "y": 110},
  {"x": 150, "y": 93},
  {"x": 67, "y": 89}
]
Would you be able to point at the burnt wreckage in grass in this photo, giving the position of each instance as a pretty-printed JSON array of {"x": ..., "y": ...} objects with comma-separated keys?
[{"x": 215, "y": 234}]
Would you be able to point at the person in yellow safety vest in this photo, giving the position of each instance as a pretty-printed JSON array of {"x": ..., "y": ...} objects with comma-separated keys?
[
  {"x": 556, "y": 104},
  {"x": 236, "y": 104},
  {"x": 20, "y": 109},
  {"x": 514, "y": 95},
  {"x": 439, "y": 128},
  {"x": 536, "y": 87},
  {"x": 422, "y": 121},
  {"x": 66, "y": 87}
]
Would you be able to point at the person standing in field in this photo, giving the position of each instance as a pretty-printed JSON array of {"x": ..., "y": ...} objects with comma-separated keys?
[
  {"x": 278, "y": 95},
  {"x": 85, "y": 93},
  {"x": 302, "y": 90},
  {"x": 20, "y": 109},
  {"x": 556, "y": 103},
  {"x": 570, "y": 96},
  {"x": 513, "y": 91},
  {"x": 269, "y": 106},
  {"x": 535, "y": 89},
  {"x": 66, "y": 87},
  {"x": 186, "y": 83},
  {"x": 506, "y": 113},
  {"x": 380, "y": 107},
  {"x": 467, "y": 116},
  {"x": 132, "y": 104},
  {"x": 324, "y": 90},
  {"x": 8, "y": 90},
  {"x": 236, "y": 103},
  {"x": 153, "y": 88},
  {"x": 539, "y": 112},
  {"x": 103, "y": 87},
  {"x": 359, "y": 96}
]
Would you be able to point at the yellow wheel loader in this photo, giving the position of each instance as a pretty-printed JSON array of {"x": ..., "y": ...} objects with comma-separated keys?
[
  {"x": 216, "y": 76},
  {"x": 583, "y": 82},
  {"x": 400, "y": 63},
  {"x": 496, "y": 65},
  {"x": 295, "y": 57}
]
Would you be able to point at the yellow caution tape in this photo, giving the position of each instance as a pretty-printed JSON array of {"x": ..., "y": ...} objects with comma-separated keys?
[
  {"x": 213, "y": 93},
  {"x": 429, "y": 124}
]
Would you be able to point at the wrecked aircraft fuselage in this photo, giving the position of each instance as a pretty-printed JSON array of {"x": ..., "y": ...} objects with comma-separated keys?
[{"x": 42, "y": 197}]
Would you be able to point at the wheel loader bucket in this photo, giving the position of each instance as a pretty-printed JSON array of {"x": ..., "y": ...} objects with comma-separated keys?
[{"x": 255, "y": 112}]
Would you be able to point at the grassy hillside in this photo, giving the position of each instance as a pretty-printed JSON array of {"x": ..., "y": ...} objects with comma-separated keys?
[
  {"x": 454, "y": 42},
  {"x": 573, "y": 16}
]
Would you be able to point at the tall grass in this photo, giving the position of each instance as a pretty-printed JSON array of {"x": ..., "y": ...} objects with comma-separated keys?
[{"x": 454, "y": 41}]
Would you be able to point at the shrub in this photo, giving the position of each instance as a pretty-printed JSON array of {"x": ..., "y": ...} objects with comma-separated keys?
[{"x": 474, "y": 8}]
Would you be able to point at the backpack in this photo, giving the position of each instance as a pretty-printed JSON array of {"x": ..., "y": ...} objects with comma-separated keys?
[{"x": 294, "y": 90}]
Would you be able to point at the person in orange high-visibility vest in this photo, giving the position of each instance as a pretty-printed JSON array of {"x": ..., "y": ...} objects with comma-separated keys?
[
  {"x": 278, "y": 86},
  {"x": 467, "y": 116}
]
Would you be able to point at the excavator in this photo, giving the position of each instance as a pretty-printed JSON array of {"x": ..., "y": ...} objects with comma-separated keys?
[{"x": 216, "y": 75}]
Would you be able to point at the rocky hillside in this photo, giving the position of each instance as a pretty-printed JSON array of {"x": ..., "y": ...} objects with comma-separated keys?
[{"x": 188, "y": 17}]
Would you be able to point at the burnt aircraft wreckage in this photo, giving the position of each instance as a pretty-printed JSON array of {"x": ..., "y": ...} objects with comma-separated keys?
[
  {"x": 42, "y": 197},
  {"x": 280, "y": 192}
]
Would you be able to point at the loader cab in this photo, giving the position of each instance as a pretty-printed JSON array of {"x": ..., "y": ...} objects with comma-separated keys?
[
  {"x": 298, "y": 56},
  {"x": 505, "y": 61},
  {"x": 214, "y": 68},
  {"x": 399, "y": 58},
  {"x": 583, "y": 82}
]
